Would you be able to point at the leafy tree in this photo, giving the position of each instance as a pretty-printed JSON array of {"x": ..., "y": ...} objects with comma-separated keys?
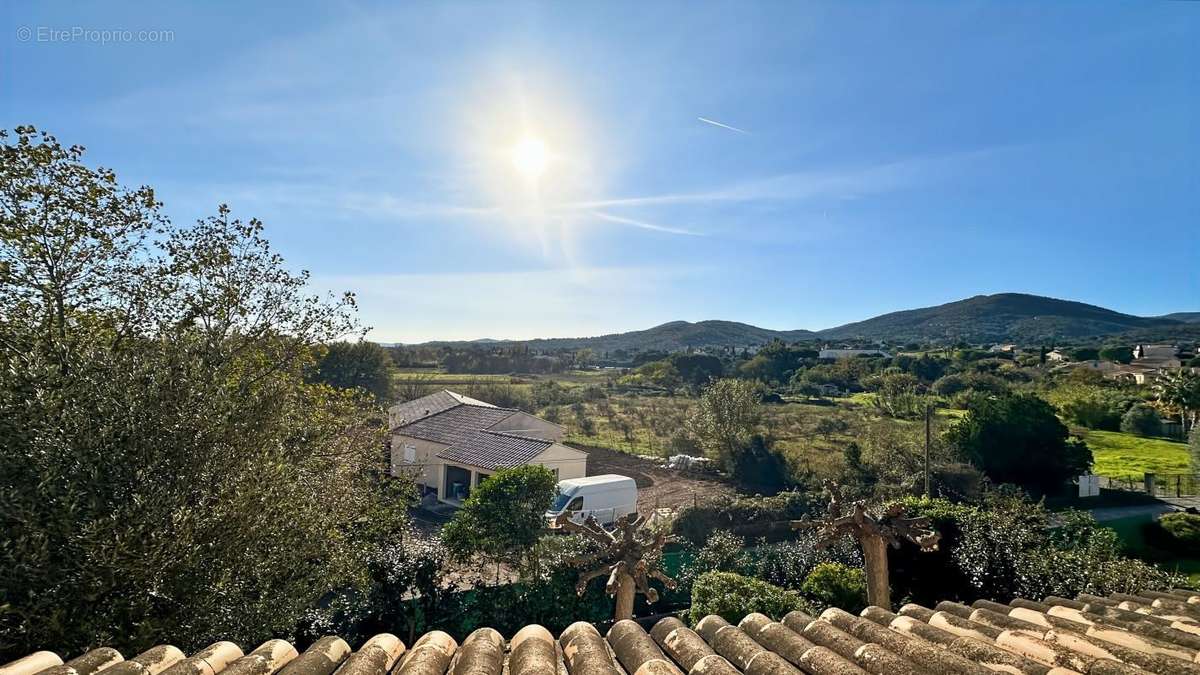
[
  {"x": 584, "y": 357},
  {"x": 656, "y": 374},
  {"x": 357, "y": 365},
  {"x": 1091, "y": 406},
  {"x": 503, "y": 516},
  {"x": 775, "y": 363},
  {"x": 1083, "y": 354},
  {"x": 926, "y": 366},
  {"x": 1117, "y": 353},
  {"x": 1141, "y": 420},
  {"x": 898, "y": 394},
  {"x": 725, "y": 418},
  {"x": 1179, "y": 392},
  {"x": 1194, "y": 450},
  {"x": 1018, "y": 439},
  {"x": 167, "y": 470},
  {"x": 697, "y": 370},
  {"x": 757, "y": 463}
]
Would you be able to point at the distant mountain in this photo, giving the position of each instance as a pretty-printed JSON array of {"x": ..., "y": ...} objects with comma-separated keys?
[
  {"x": 675, "y": 336},
  {"x": 1002, "y": 317}
]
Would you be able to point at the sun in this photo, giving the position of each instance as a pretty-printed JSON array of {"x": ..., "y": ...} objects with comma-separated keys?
[{"x": 529, "y": 157}]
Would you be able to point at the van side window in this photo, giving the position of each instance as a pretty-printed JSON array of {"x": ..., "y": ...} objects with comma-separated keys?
[{"x": 576, "y": 504}]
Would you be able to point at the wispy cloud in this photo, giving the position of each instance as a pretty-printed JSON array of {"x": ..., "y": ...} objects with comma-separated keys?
[
  {"x": 723, "y": 126},
  {"x": 834, "y": 183}
]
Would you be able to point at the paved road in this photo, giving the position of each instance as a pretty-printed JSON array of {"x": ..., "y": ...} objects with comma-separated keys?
[{"x": 1118, "y": 512}]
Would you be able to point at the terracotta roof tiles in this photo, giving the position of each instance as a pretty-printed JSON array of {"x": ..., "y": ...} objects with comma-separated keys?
[
  {"x": 1122, "y": 634},
  {"x": 456, "y": 424}
]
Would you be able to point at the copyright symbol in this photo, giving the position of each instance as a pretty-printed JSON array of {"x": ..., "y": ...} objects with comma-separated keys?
[{"x": 24, "y": 33}]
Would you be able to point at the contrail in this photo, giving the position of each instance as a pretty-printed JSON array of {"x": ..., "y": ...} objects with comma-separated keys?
[
  {"x": 644, "y": 225},
  {"x": 723, "y": 126}
]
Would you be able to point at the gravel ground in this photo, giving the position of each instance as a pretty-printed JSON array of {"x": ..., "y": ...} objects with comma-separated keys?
[{"x": 658, "y": 487}]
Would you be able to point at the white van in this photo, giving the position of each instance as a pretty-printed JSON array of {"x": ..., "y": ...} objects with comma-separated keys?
[{"x": 605, "y": 498}]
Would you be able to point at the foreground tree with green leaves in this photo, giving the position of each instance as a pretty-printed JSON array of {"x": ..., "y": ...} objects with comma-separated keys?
[
  {"x": 165, "y": 468},
  {"x": 504, "y": 516}
]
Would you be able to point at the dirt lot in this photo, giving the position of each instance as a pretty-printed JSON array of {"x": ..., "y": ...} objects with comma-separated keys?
[{"x": 657, "y": 487}]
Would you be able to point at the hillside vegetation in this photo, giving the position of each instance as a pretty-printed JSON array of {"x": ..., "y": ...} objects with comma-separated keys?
[{"x": 1003, "y": 317}]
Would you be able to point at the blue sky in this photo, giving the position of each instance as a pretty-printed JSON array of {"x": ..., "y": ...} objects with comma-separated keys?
[{"x": 891, "y": 155}]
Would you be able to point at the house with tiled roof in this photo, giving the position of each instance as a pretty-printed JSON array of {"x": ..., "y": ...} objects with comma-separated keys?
[
  {"x": 1121, "y": 634},
  {"x": 449, "y": 443}
]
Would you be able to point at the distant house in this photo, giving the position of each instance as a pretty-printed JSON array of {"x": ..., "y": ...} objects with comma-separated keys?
[
  {"x": 847, "y": 353},
  {"x": 1134, "y": 372},
  {"x": 1003, "y": 349},
  {"x": 450, "y": 443},
  {"x": 1056, "y": 355},
  {"x": 1157, "y": 356}
]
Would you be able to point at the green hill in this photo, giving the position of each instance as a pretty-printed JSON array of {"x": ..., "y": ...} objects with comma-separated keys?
[{"x": 1002, "y": 317}]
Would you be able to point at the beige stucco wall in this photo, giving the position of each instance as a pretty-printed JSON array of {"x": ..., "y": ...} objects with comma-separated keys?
[
  {"x": 426, "y": 467},
  {"x": 524, "y": 424},
  {"x": 569, "y": 462}
]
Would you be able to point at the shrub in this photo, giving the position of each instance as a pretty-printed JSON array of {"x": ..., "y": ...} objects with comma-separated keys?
[
  {"x": 724, "y": 551},
  {"x": 1141, "y": 420},
  {"x": 1005, "y": 548},
  {"x": 1178, "y": 532},
  {"x": 788, "y": 563},
  {"x": 832, "y": 584},
  {"x": 948, "y": 385},
  {"x": 683, "y": 443},
  {"x": 760, "y": 465},
  {"x": 739, "y": 514},
  {"x": 733, "y": 596}
]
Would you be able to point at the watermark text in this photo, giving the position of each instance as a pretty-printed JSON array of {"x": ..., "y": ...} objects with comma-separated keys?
[{"x": 103, "y": 36}]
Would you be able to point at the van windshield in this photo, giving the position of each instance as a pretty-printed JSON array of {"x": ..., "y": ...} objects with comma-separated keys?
[{"x": 560, "y": 502}]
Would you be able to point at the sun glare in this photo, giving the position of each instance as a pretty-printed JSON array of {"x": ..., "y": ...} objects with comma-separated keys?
[{"x": 529, "y": 157}]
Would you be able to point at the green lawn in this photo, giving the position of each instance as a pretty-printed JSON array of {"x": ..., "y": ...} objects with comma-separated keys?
[{"x": 1121, "y": 455}]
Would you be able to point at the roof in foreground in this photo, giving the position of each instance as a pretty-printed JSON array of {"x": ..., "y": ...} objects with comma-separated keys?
[{"x": 1116, "y": 635}]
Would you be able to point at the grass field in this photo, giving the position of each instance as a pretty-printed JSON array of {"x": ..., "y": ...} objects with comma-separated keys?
[
  {"x": 441, "y": 379},
  {"x": 1120, "y": 455}
]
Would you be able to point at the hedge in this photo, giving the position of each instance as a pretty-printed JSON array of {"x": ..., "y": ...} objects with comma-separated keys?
[
  {"x": 746, "y": 516},
  {"x": 733, "y": 596}
]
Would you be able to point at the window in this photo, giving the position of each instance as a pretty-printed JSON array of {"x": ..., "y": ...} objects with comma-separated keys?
[
  {"x": 410, "y": 454},
  {"x": 575, "y": 505}
]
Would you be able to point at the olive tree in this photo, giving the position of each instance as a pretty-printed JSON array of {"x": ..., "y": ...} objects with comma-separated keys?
[{"x": 725, "y": 418}]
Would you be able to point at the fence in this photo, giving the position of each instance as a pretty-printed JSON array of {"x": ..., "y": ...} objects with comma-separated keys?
[
  {"x": 1173, "y": 484},
  {"x": 1156, "y": 484}
]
